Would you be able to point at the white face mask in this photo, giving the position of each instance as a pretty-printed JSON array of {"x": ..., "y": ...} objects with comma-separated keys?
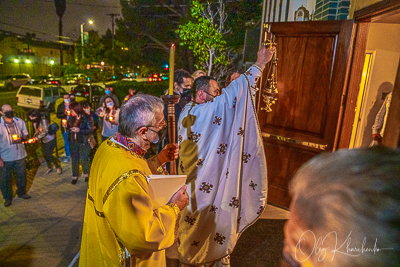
[
  {"x": 110, "y": 104},
  {"x": 66, "y": 101},
  {"x": 87, "y": 110}
]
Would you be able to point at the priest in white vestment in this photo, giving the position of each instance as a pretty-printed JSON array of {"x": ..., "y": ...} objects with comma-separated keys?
[{"x": 222, "y": 154}]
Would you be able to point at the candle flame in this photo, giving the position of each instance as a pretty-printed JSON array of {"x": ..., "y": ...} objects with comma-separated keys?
[{"x": 15, "y": 136}]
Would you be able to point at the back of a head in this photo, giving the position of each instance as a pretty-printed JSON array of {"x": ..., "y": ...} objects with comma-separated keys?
[
  {"x": 179, "y": 74},
  {"x": 349, "y": 197},
  {"x": 77, "y": 107},
  {"x": 198, "y": 73},
  {"x": 138, "y": 111},
  {"x": 34, "y": 113}
]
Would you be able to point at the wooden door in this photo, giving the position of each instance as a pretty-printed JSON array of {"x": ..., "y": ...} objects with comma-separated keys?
[{"x": 313, "y": 59}]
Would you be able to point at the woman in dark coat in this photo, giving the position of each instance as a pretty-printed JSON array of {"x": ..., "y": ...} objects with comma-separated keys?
[{"x": 80, "y": 129}]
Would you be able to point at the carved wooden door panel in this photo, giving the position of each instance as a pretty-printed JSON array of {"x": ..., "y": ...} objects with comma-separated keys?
[{"x": 313, "y": 59}]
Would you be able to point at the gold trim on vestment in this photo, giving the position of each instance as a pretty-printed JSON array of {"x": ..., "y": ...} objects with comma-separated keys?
[
  {"x": 175, "y": 208},
  {"x": 98, "y": 213},
  {"x": 122, "y": 253},
  {"x": 118, "y": 145},
  {"x": 119, "y": 180}
]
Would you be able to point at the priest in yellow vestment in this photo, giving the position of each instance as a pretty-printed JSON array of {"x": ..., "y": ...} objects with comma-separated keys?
[{"x": 119, "y": 213}]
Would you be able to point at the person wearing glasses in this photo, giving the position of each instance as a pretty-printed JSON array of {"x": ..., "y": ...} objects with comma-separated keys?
[
  {"x": 119, "y": 213},
  {"x": 221, "y": 153}
]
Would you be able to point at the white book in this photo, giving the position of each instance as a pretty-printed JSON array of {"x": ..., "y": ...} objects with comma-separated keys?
[{"x": 163, "y": 187}]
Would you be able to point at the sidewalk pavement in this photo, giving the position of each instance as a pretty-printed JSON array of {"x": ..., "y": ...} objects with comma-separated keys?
[{"x": 46, "y": 229}]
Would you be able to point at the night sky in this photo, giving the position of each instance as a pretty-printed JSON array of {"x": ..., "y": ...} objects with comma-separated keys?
[{"x": 39, "y": 16}]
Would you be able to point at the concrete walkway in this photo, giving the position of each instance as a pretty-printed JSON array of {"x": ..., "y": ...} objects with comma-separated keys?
[{"x": 46, "y": 229}]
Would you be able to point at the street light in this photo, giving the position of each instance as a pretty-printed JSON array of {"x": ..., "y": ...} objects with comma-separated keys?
[
  {"x": 51, "y": 66},
  {"x": 90, "y": 23}
]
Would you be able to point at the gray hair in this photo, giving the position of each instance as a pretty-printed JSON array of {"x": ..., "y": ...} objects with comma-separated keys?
[
  {"x": 355, "y": 193},
  {"x": 138, "y": 111}
]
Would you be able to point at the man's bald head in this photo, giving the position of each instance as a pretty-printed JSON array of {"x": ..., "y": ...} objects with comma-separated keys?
[{"x": 6, "y": 107}]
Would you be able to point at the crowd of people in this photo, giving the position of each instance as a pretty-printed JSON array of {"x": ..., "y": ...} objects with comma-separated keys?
[{"x": 218, "y": 146}]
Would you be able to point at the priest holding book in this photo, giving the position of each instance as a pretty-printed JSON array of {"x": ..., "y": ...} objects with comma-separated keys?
[{"x": 120, "y": 214}]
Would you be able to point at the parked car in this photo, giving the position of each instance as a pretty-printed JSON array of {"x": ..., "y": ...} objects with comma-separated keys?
[
  {"x": 40, "y": 79},
  {"x": 78, "y": 78},
  {"x": 16, "y": 81},
  {"x": 39, "y": 96},
  {"x": 130, "y": 76},
  {"x": 54, "y": 81},
  {"x": 84, "y": 90},
  {"x": 155, "y": 77}
]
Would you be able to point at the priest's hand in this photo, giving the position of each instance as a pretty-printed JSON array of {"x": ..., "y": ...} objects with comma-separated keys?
[
  {"x": 168, "y": 153},
  {"x": 180, "y": 198},
  {"x": 264, "y": 56}
]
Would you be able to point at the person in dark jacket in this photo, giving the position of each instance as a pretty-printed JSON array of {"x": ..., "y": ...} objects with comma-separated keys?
[
  {"x": 80, "y": 128},
  {"x": 63, "y": 114},
  {"x": 41, "y": 126}
]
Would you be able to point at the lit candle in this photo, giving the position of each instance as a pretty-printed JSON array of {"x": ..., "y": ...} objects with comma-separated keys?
[
  {"x": 15, "y": 137},
  {"x": 64, "y": 122},
  {"x": 111, "y": 118},
  {"x": 68, "y": 112},
  {"x": 171, "y": 69}
]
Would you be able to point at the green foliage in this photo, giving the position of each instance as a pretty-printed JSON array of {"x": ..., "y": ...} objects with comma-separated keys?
[
  {"x": 121, "y": 88},
  {"x": 203, "y": 38},
  {"x": 70, "y": 69}
]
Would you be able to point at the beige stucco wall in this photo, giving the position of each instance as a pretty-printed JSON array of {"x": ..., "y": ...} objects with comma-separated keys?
[
  {"x": 360, "y": 4},
  {"x": 384, "y": 39}
]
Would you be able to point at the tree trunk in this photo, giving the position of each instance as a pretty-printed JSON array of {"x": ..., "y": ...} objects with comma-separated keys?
[
  {"x": 210, "y": 64},
  {"x": 60, "y": 39}
]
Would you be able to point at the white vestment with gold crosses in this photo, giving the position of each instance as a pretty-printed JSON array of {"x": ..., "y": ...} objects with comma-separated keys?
[{"x": 221, "y": 152}]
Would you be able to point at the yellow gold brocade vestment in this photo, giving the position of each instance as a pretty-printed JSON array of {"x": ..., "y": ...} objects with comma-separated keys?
[{"x": 119, "y": 212}]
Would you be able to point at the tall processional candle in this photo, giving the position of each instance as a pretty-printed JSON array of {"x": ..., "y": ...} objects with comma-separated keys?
[{"x": 171, "y": 69}]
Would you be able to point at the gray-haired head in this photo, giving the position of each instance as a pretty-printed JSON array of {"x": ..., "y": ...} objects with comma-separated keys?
[
  {"x": 138, "y": 111},
  {"x": 347, "y": 196}
]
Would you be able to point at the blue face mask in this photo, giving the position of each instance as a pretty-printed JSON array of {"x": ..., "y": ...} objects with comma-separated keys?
[
  {"x": 110, "y": 104},
  {"x": 108, "y": 92}
]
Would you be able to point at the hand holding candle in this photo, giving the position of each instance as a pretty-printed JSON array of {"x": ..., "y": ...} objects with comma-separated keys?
[
  {"x": 16, "y": 139},
  {"x": 171, "y": 69}
]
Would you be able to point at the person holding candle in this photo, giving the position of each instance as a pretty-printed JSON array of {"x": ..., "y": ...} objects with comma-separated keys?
[
  {"x": 110, "y": 113},
  {"x": 12, "y": 154},
  {"x": 80, "y": 128},
  {"x": 63, "y": 115},
  {"x": 131, "y": 93},
  {"x": 41, "y": 126},
  {"x": 108, "y": 92}
]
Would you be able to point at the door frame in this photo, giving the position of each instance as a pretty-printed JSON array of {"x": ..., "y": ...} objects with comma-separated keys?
[
  {"x": 361, "y": 107},
  {"x": 363, "y": 18}
]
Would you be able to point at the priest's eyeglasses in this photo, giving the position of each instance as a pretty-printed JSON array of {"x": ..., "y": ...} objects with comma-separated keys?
[{"x": 161, "y": 125}]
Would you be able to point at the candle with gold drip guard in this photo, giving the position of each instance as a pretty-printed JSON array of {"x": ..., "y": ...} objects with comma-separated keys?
[{"x": 171, "y": 69}]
